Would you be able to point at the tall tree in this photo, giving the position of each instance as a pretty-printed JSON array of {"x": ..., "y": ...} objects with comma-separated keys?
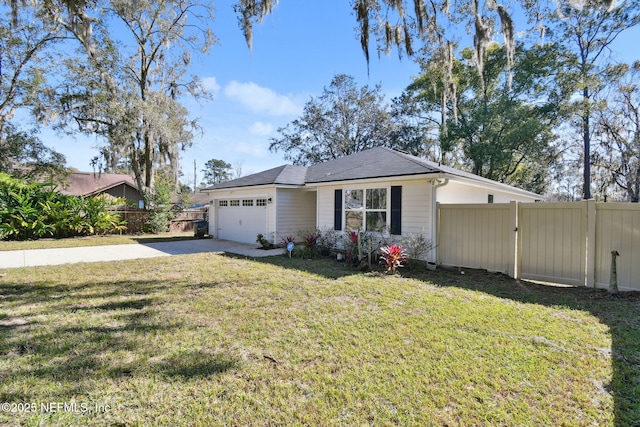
[
  {"x": 343, "y": 120},
  {"x": 26, "y": 56},
  {"x": 136, "y": 71},
  {"x": 427, "y": 102},
  {"x": 589, "y": 28},
  {"x": 434, "y": 28},
  {"x": 216, "y": 171},
  {"x": 500, "y": 123},
  {"x": 620, "y": 133}
]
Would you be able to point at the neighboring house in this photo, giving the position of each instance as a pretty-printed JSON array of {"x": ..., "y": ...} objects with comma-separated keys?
[
  {"x": 192, "y": 200},
  {"x": 371, "y": 190},
  {"x": 112, "y": 184}
]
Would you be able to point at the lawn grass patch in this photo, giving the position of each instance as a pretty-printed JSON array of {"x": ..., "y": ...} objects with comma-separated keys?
[
  {"x": 74, "y": 242},
  {"x": 208, "y": 339}
]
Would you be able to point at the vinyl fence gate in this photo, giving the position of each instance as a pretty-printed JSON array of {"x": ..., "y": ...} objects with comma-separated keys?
[{"x": 568, "y": 243}]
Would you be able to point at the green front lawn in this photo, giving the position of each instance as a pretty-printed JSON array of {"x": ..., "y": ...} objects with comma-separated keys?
[
  {"x": 74, "y": 242},
  {"x": 217, "y": 340}
]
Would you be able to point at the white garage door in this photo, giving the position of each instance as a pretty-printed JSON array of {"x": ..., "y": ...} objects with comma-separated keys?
[{"x": 241, "y": 220}]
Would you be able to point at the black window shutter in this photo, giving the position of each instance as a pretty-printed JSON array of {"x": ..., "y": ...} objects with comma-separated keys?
[
  {"x": 337, "y": 210},
  {"x": 396, "y": 209}
]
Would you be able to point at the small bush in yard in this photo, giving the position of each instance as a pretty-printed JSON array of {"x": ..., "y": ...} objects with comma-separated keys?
[
  {"x": 158, "y": 203},
  {"x": 327, "y": 240},
  {"x": 288, "y": 239},
  {"x": 264, "y": 243},
  {"x": 392, "y": 257},
  {"x": 352, "y": 248},
  {"x": 417, "y": 246},
  {"x": 311, "y": 240}
]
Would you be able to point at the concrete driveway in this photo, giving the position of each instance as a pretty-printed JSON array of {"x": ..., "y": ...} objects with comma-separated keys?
[{"x": 36, "y": 257}]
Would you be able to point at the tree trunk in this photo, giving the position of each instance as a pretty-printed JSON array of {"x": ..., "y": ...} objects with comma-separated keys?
[
  {"x": 586, "y": 137},
  {"x": 148, "y": 161}
]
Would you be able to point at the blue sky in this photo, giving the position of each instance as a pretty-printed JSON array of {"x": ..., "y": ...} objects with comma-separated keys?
[{"x": 296, "y": 52}]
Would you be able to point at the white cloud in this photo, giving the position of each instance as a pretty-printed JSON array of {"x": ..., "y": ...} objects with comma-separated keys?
[
  {"x": 261, "y": 129},
  {"x": 261, "y": 99},
  {"x": 211, "y": 85}
]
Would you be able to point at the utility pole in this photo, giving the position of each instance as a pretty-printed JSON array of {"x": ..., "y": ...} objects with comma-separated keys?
[{"x": 195, "y": 179}]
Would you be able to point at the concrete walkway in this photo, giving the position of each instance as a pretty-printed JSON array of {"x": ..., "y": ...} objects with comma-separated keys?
[{"x": 36, "y": 257}]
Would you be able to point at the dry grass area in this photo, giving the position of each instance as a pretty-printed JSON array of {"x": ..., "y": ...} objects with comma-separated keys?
[{"x": 217, "y": 340}]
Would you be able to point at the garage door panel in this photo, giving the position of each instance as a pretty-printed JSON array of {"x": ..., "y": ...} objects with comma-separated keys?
[{"x": 241, "y": 223}]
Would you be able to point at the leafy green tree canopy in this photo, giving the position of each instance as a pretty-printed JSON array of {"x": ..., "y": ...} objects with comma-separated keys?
[
  {"x": 22, "y": 154},
  {"x": 343, "y": 120},
  {"x": 500, "y": 123},
  {"x": 129, "y": 86}
]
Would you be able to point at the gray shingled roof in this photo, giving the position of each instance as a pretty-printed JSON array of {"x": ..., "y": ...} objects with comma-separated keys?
[
  {"x": 378, "y": 162},
  {"x": 284, "y": 175},
  {"x": 374, "y": 163}
]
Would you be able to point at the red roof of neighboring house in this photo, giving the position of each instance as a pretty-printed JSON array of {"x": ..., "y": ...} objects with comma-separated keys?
[{"x": 90, "y": 183}]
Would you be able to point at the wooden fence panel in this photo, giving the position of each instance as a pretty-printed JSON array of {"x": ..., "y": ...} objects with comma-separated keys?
[
  {"x": 184, "y": 220},
  {"x": 136, "y": 219},
  {"x": 476, "y": 236}
]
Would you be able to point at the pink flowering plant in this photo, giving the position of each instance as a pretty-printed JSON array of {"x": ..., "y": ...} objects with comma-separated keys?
[
  {"x": 351, "y": 250},
  {"x": 393, "y": 256}
]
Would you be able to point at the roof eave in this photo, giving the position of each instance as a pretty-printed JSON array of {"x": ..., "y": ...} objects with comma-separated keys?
[
  {"x": 495, "y": 185},
  {"x": 254, "y": 186}
]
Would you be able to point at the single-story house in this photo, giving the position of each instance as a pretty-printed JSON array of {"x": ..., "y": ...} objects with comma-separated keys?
[
  {"x": 114, "y": 185},
  {"x": 193, "y": 201},
  {"x": 375, "y": 189}
]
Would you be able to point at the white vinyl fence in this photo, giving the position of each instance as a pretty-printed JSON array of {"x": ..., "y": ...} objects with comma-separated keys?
[
  {"x": 569, "y": 243},
  {"x": 552, "y": 242},
  {"x": 477, "y": 236}
]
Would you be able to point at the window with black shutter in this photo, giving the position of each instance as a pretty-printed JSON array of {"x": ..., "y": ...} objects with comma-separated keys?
[
  {"x": 396, "y": 210},
  {"x": 337, "y": 210}
]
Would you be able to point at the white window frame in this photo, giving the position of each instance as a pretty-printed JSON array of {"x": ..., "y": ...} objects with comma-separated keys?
[{"x": 364, "y": 210}]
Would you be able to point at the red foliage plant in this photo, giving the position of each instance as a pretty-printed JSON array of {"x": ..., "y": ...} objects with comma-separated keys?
[{"x": 392, "y": 257}]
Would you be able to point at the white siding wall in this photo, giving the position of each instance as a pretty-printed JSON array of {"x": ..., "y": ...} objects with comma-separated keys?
[
  {"x": 264, "y": 193},
  {"x": 325, "y": 207},
  {"x": 417, "y": 207},
  {"x": 296, "y": 212},
  {"x": 460, "y": 192}
]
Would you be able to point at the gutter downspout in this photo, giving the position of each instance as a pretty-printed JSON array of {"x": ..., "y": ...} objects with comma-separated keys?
[{"x": 441, "y": 181}]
